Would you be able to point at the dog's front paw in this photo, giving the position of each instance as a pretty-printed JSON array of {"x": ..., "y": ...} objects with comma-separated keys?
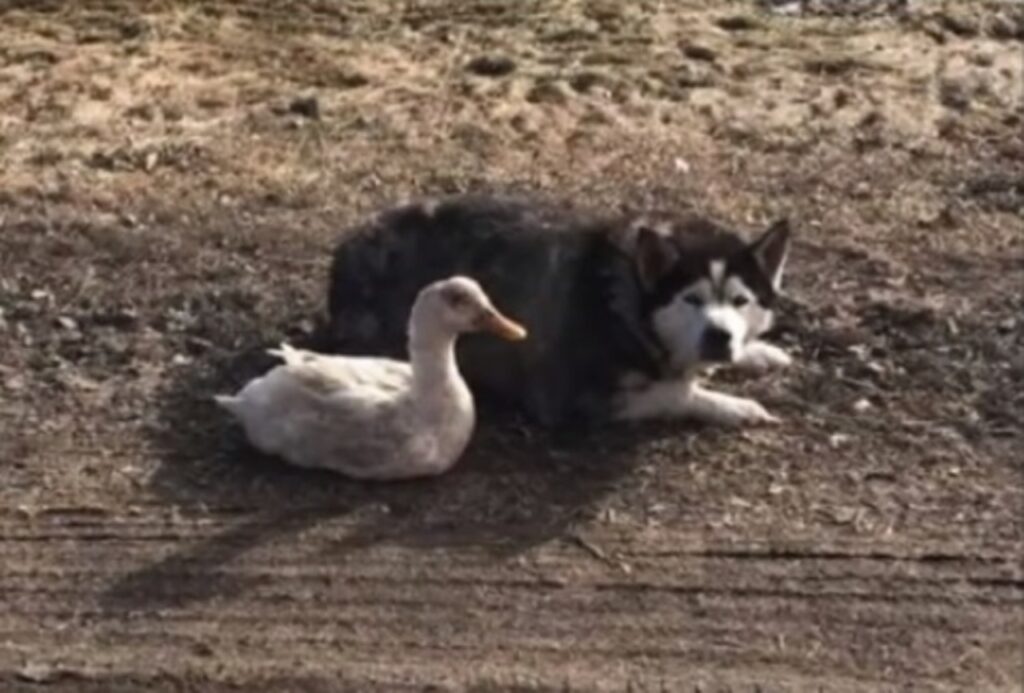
[
  {"x": 747, "y": 412},
  {"x": 727, "y": 410},
  {"x": 761, "y": 356}
]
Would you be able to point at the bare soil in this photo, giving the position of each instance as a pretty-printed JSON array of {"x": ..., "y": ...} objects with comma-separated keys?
[{"x": 173, "y": 175}]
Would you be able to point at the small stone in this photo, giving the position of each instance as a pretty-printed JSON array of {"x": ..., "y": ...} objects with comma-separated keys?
[
  {"x": 934, "y": 29},
  {"x": 696, "y": 51},
  {"x": 876, "y": 367},
  {"x": 738, "y": 22},
  {"x": 491, "y": 65},
  {"x": 947, "y": 127},
  {"x": 202, "y": 649},
  {"x": 861, "y": 351},
  {"x": 983, "y": 59},
  {"x": 1006, "y": 28},
  {"x": 786, "y": 8},
  {"x": 82, "y": 383},
  {"x": 118, "y": 319},
  {"x": 959, "y": 24},
  {"x": 838, "y": 440},
  {"x": 953, "y": 94},
  {"x": 585, "y": 82},
  {"x": 690, "y": 75},
  {"x": 861, "y": 405},
  {"x": 844, "y": 516},
  {"x": 37, "y": 672},
  {"x": 102, "y": 160},
  {"x": 548, "y": 91},
  {"x": 142, "y": 111},
  {"x": 306, "y": 106},
  {"x": 67, "y": 323},
  {"x": 931, "y": 218},
  {"x": 198, "y": 345}
]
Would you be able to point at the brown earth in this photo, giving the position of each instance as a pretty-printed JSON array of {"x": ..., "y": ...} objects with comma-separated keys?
[{"x": 172, "y": 177}]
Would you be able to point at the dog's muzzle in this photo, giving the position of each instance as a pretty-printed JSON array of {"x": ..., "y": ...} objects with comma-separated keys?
[{"x": 716, "y": 345}]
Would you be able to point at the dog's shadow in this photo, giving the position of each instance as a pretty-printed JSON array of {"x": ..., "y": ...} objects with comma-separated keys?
[{"x": 516, "y": 487}]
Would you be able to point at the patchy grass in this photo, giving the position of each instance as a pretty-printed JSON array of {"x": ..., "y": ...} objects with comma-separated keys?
[{"x": 169, "y": 196}]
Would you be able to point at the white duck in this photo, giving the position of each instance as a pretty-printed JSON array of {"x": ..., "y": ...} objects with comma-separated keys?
[{"x": 375, "y": 418}]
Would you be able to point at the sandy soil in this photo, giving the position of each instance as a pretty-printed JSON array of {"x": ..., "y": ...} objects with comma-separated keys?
[{"x": 173, "y": 175}]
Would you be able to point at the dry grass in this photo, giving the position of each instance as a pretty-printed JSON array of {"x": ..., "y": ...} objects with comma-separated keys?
[{"x": 165, "y": 212}]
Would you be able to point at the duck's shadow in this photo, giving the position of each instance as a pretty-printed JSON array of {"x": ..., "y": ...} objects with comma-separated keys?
[{"x": 516, "y": 487}]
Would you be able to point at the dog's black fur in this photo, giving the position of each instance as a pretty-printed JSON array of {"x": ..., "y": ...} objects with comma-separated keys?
[{"x": 570, "y": 277}]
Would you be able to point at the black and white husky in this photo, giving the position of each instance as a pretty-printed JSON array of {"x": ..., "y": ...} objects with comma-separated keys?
[{"x": 623, "y": 313}]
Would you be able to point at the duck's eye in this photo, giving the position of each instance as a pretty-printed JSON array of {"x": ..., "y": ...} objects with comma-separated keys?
[
  {"x": 740, "y": 301},
  {"x": 456, "y": 300},
  {"x": 694, "y": 300}
]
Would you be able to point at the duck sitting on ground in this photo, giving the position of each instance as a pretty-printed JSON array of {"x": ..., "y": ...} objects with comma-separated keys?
[{"x": 375, "y": 418}]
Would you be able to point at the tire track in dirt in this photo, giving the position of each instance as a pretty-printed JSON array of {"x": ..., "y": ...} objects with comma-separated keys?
[{"x": 115, "y": 594}]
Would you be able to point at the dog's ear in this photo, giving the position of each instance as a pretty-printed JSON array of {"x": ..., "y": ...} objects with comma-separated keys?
[
  {"x": 771, "y": 250},
  {"x": 655, "y": 255}
]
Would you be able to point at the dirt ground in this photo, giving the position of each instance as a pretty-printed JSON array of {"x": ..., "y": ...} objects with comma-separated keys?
[{"x": 173, "y": 175}]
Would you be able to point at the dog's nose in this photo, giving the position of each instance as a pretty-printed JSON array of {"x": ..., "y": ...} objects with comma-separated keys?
[{"x": 716, "y": 345}]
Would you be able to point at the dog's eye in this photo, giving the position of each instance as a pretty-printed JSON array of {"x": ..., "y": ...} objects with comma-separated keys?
[
  {"x": 694, "y": 300},
  {"x": 740, "y": 301}
]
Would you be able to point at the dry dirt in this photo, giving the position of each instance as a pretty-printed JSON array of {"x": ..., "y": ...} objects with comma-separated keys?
[{"x": 173, "y": 175}]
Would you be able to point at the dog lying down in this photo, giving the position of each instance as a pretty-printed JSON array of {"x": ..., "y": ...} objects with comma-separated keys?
[{"x": 624, "y": 313}]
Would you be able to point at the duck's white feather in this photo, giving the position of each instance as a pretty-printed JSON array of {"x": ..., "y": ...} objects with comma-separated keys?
[
  {"x": 324, "y": 373},
  {"x": 369, "y": 418},
  {"x": 355, "y": 416}
]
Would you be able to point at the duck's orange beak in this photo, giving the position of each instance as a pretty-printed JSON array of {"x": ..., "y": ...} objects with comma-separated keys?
[{"x": 498, "y": 324}]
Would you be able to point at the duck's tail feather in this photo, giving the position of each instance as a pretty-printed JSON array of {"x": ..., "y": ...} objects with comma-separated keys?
[
  {"x": 228, "y": 402},
  {"x": 286, "y": 352}
]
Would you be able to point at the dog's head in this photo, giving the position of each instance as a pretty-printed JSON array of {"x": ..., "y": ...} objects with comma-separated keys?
[{"x": 707, "y": 292}]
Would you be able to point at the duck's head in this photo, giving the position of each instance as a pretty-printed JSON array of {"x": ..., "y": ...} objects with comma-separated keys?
[{"x": 458, "y": 304}]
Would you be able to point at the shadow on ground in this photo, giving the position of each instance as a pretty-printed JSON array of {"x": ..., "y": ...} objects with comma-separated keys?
[{"x": 516, "y": 487}]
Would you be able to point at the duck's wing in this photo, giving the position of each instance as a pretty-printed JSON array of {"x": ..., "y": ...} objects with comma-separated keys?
[
  {"x": 326, "y": 374},
  {"x": 375, "y": 440},
  {"x": 356, "y": 378}
]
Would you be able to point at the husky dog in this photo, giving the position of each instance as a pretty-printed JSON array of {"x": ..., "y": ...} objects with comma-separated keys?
[{"x": 624, "y": 314}]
